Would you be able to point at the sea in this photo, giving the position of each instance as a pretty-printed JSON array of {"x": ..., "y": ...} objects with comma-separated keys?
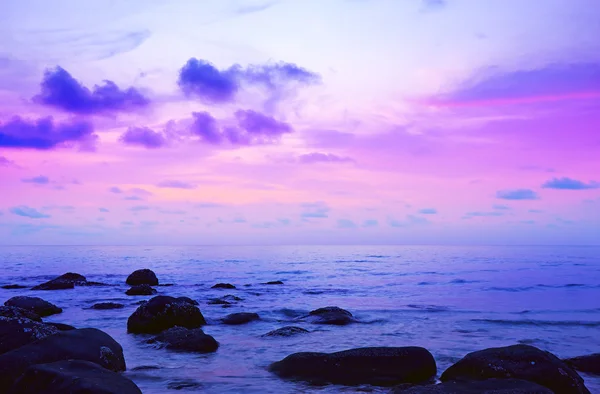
[{"x": 451, "y": 300}]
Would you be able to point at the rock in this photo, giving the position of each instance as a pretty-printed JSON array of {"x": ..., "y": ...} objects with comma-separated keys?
[
  {"x": 61, "y": 326},
  {"x": 73, "y": 377},
  {"x": 286, "y": 332},
  {"x": 490, "y": 386},
  {"x": 275, "y": 282},
  {"x": 107, "y": 305},
  {"x": 240, "y": 318},
  {"x": 17, "y": 332},
  {"x": 142, "y": 277},
  {"x": 188, "y": 300},
  {"x": 588, "y": 364},
  {"x": 517, "y": 362},
  {"x": 18, "y": 313},
  {"x": 218, "y": 301},
  {"x": 13, "y": 287},
  {"x": 87, "y": 344},
  {"x": 180, "y": 338},
  {"x": 65, "y": 281},
  {"x": 141, "y": 290},
  {"x": 185, "y": 384},
  {"x": 223, "y": 286},
  {"x": 163, "y": 312},
  {"x": 380, "y": 366},
  {"x": 330, "y": 315},
  {"x": 35, "y": 305}
]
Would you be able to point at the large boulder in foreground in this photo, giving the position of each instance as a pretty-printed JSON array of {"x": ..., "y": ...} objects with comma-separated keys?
[
  {"x": 142, "y": 277},
  {"x": 330, "y": 315},
  {"x": 73, "y": 377},
  {"x": 589, "y": 364},
  {"x": 141, "y": 290},
  {"x": 65, "y": 281},
  {"x": 163, "y": 312},
  {"x": 223, "y": 286},
  {"x": 14, "y": 312},
  {"x": 380, "y": 366},
  {"x": 491, "y": 386},
  {"x": 236, "y": 319},
  {"x": 518, "y": 362},
  {"x": 34, "y": 304},
  {"x": 17, "y": 332},
  {"x": 87, "y": 344},
  {"x": 179, "y": 338}
]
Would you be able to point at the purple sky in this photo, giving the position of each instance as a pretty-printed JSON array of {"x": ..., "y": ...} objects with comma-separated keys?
[{"x": 300, "y": 122}]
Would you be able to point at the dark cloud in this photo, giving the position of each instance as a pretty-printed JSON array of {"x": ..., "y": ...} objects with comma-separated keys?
[
  {"x": 28, "y": 212},
  {"x": 44, "y": 134},
  {"x": 428, "y": 211},
  {"x": 206, "y": 127},
  {"x": 174, "y": 184},
  {"x": 61, "y": 90},
  {"x": 318, "y": 157},
  {"x": 143, "y": 136},
  {"x": 40, "y": 180},
  {"x": 370, "y": 223},
  {"x": 116, "y": 190},
  {"x": 517, "y": 194},
  {"x": 569, "y": 184},
  {"x": 257, "y": 124}
]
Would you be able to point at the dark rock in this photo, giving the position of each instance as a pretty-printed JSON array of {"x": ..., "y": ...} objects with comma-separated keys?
[
  {"x": 240, "y": 318},
  {"x": 218, "y": 301},
  {"x": 13, "y": 287},
  {"x": 162, "y": 313},
  {"x": 275, "y": 282},
  {"x": 35, "y": 305},
  {"x": 588, "y": 364},
  {"x": 517, "y": 362},
  {"x": 107, "y": 305},
  {"x": 231, "y": 298},
  {"x": 286, "y": 332},
  {"x": 145, "y": 368},
  {"x": 19, "y": 313},
  {"x": 179, "y": 338},
  {"x": 87, "y": 344},
  {"x": 188, "y": 300},
  {"x": 185, "y": 384},
  {"x": 73, "y": 377},
  {"x": 17, "y": 332},
  {"x": 223, "y": 286},
  {"x": 141, "y": 290},
  {"x": 330, "y": 315},
  {"x": 65, "y": 281},
  {"x": 380, "y": 366},
  {"x": 61, "y": 326},
  {"x": 142, "y": 277},
  {"x": 491, "y": 386}
]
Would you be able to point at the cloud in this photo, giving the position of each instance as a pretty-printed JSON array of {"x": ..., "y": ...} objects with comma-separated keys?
[
  {"x": 318, "y": 157},
  {"x": 143, "y": 136},
  {"x": 116, "y": 190},
  {"x": 517, "y": 194},
  {"x": 206, "y": 127},
  {"x": 25, "y": 211},
  {"x": 103, "y": 210},
  {"x": 40, "y": 180},
  {"x": 61, "y": 90},
  {"x": 535, "y": 211},
  {"x": 174, "y": 184},
  {"x": 208, "y": 205},
  {"x": 140, "y": 192},
  {"x": 569, "y": 184},
  {"x": 428, "y": 211},
  {"x": 346, "y": 223},
  {"x": 251, "y": 9},
  {"x": 44, "y": 134},
  {"x": 139, "y": 208},
  {"x": 133, "y": 198},
  {"x": 500, "y": 207},
  {"x": 257, "y": 124},
  {"x": 470, "y": 215},
  {"x": 4, "y": 162},
  {"x": 430, "y": 5},
  {"x": 370, "y": 223},
  {"x": 316, "y": 210},
  {"x": 171, "y": 211},
  {"x": 409, "y": 221}
]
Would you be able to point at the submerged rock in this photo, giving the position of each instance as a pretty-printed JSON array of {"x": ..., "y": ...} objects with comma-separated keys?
[
  {"x": 588, "y": 364},
  {"x": 191, "y": 340},
  {"x": 61, "y": 326},
  {"x": 19, "y": 313},
  {"x": 518, "y": 362},
  {"x": 491, "y": 386},
  {"x": 107, "y": 305},
  {"x": 380, "y": 366},
  {"x": 330, "y": 315},
  {"x": 223, "y": 286},
  {"x": 73, "y": 377},
  {"x": 240, "y": 318},
  {"x": 163, "y": 312},
  {"x": 17, "y": 332},
  {"x": 65, "y": 281},
  {"x": 34, "y": 304},
  {"x": 141, "y": 290},
  {"x": 274, "y": 282},
  {"x": 87, "y": 344},
  {"x": 13, "y": 287},
  {"x": 286, "y": 332},
  {"x": 142, "y": 277}
]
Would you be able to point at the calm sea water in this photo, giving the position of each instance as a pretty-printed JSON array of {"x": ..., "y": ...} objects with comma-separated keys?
[{"x": 451, "y": 300}]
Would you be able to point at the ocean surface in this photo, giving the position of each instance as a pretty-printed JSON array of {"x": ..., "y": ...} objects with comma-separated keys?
[{"x": 450, "y": 300}]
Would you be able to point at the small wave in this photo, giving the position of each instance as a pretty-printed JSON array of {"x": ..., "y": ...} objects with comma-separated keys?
[
  {"x": 325, "y": 291},
  {"x": 462, "y": 281},
  {"x": 425, "y": 283},
  {"x": 374, "y": 321},
  {"x": 288, "y": 312},
  {"x": 529, "y": 322},
  {"x": 354, "y": 261},
  {"x": 234, "y": 261},
  {"x": 377, "y": 256},
  {"x": 511, "y": 289},
  {"x": 296, "y": 272},
  {"x": 429, "y": 308}
]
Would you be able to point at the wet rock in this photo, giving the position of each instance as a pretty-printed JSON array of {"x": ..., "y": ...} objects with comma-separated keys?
[
  {"x": 491, "y": 386},
  {"x": 588, "y": 364},
  {"x": 73, "y": 377},
  {"x": 188, "y": 300},
  {"x": 17, "y": 332},
  {"x": 163, "y": 312},
  {"x": 185, "y": 384},
  {"x": 517, "y": 362},
  {"x": 286, "y": 332},
  {"x": 219, "y": 301},
  {"x": 107, "y": 305},
  {"x": 141, "y": 290},
  {"x": 142, "y": 277},
  {"x": 146, "y": 368},
  {"x": 65, "y": 281},
  {"x": 18, "y": 313},
  {"x": 190, "y": 340},
  {"x": 223, "y": 286},
  {"x": 34, "y": 304},
  {"x": 330, "y": 315},
  {"x": 275, "y": 282},
  {"x": 380, "y": 366},
  {"x": 240, "y": 318},
  {"x": 61, "y": 326},
  {"x": 13, "y": 287},
  {"x": 87, "y": 344}
]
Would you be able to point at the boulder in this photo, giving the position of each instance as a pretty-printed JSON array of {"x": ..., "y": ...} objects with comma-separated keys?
[
  {"x": 330, "y": 315},
  {"x": 34, "y": 304},
  {"x": 274, "y": 282},
  {"x": 142, "y": 277},
  {"x": 286, "y": 332},
  {"x": 65, "y": 281},
  {"x": 87, "y": 344},
  {"x": 163, "y": 312},
  {"x": 218, "y": 301},
  {"x": 13, "y": 287},
  {"x": 223, "y": 286},
  {"x": 188, "y": 300},
  {"x": 491, "y": 386},
  {"x": 589, "y": 364},
  {"x": 61, "y": 326},
  {"x": 107, "y": 305},
  {"x": 240, "y": 318},
  {"x": 73, "y": 377},
  {"x": 141, "y": 290},
  {"x": 380, "y": 366},
  {"x": 190, "y": 340},
  {"x": 17, "y": 332},
  {"x": 18, "y": 313},
  {"x": 517, "y": 362}
]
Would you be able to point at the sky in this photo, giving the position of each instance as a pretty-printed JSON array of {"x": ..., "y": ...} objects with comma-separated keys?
[{"x": 198, "y": 122}]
